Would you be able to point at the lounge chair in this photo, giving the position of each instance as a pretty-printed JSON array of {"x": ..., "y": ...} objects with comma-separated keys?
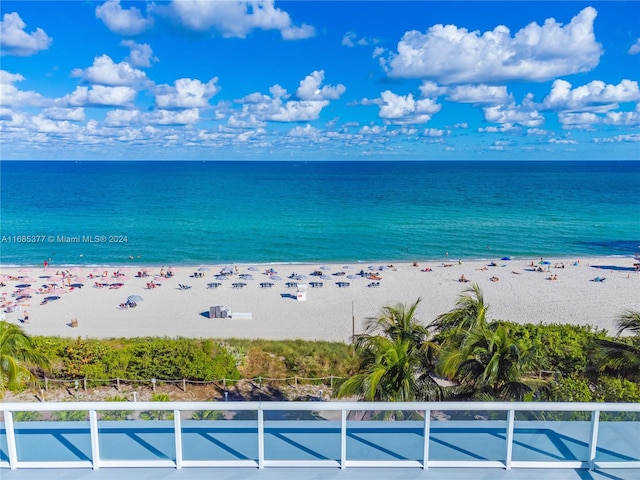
[
  {"x": 292, "y": 285},
  {"x": 184, "y": 287}
]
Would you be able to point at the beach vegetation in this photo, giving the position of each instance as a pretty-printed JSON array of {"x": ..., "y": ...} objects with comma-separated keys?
[
  {"x": 396, "y": 354},
  {"x": 137, "y": 359},
  {"x": 27, "y": 416},
  {"x": 488, "y": 364},
  {"x": 70, "y": 415},
  {"x": 116, "y": 414},
  {"x": 157, "y": 414},
  {"x": 19, "y": 355},
  {"x": 621, "y": 356}
]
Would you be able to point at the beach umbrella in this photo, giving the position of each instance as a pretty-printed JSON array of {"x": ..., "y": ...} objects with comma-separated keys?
[
  {"x": 222, "y": 277},
  {"x": 27, "y": 279},
  {"x": 301, "y": 277},
  {"x": 505, "y": 258},
  {"x": 4, "y": 277},
  {"x": 324, "y": 267},
  {"x": 253, "y": 269},
  {"x": 122, "y": 277},
  {"x": 325, "y": 277},
  {"x": 74, "y": 270},
  {"x": 275, "y": 277},
  {"x": 347, "y": 267},
  {"x": 24, "y": 270},
  {"x": 51, "y": 298},
  {"x": 203, "y": 269},
  {"x": 58, "y": 291},
  {"x": 353, "y": 276},
  {"x": 134, "y": 299}
]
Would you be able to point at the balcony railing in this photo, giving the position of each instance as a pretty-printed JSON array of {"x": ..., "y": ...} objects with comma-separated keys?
[{"x": 319, "y": 434}]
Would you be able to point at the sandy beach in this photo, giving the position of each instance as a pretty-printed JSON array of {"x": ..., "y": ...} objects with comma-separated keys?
[{"x": 565, "y": 291}]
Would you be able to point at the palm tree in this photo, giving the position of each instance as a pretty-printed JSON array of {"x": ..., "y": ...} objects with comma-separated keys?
[
  {"x": 489, "y": 364},
  {"x": 17, "y": 354},
  {"x": 621, "y": 357},
  {"x": 395, "y": 358},
  {"x": 470, "y": 311}
]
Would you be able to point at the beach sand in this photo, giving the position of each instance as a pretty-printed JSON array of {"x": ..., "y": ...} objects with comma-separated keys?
[{"x": 520, "y": 295}]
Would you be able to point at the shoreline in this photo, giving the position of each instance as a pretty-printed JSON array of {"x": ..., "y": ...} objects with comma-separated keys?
[
  {"x": 124, "y": 264},
  {"x": 330, "y": 313}
]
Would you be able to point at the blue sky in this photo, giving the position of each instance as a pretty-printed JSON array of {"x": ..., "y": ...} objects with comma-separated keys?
[{"x": 203, "y": 79}]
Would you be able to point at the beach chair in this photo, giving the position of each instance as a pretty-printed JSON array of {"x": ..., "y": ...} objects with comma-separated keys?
[
  {"x": 292, "y": 285},
  {"x": 184, "y": 287}
]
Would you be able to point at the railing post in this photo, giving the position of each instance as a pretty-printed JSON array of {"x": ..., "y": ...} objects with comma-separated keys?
[
  {"x": 343, "y": 439},
  {"x": 184, "y": 385},
  {"x": 11, "y": 440},
  {"x": 260, "y": 437},
  {"x": 46, "y": 384},
  {"x": 95, "y": 439},
  {"x": 593, "y": 441},
  {"x": 118, "y": 383},
  {"x": 177, "y": 433},
  {"x": 426, "y": 433},
  {"x": 511, "y": 416}
]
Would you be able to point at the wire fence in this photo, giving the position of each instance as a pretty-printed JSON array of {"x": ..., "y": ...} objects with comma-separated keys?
[{"x": 224, "y": 383}]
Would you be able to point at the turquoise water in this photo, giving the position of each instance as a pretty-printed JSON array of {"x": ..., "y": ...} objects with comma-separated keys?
[{"x": 245, "y": 212}]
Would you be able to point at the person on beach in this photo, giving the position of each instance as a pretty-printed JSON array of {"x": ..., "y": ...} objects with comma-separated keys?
[{"x": 25, "y": 318}]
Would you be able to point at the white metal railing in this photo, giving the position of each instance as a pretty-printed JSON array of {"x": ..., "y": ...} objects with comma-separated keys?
[{"x": 504, "y": 460}]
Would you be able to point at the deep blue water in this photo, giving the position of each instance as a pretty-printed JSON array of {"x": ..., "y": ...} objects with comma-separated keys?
[{"x": 243, "y": 212}]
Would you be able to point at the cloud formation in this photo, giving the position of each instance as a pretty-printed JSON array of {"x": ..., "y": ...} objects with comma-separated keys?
[
  {"x": 123, "y": 21},
  {"x": 594, "y": 96},
  {"x": 237, "y": 18},
  {"x": 15, "y": 41},
  {"x": 449, "y": 54},
  {"x": 186, "y": 93},
  {"x": 105, "y": 71}
]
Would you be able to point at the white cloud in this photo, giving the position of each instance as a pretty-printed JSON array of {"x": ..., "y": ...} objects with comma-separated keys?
[
  {"x": 312, "y": 97},
  {"x": 632, "y": 137},
  {"x": 105, "y": 72},
  {"x": 404, "y": 109},
  {"x": 309, "y": 88},
  {"x": 140, "y": 54},
  {"x": 15, "y": 41},
  {"x": 58, "y": 113},
  {"x": 298, "y": 111},
  {"x": 524, "y": 114},
  {"x": 504, "y": 128},
  {"x": 583, "y": 120},
  {"x": 594, "y": 96},
  {"x": 433, "y": 132},
  {"x": 122, "y": 118},
  {"x": 623, "y": 118},
  {"x": 45, "y": 125},
  {"x": 563, "y": 141},
  {"x": 350, "y": 39},
  {"x": 173, "y": 117},
  {"x": 635, "y": 48},
  {"x": 121, "y": 20},
  {"x": 479, "y": 94},
  {"x": 237, "y": 18},
  {"x": 99, "y": 95},
  {"x": 536, "y": 52},
  {"x": 11, "y": 96},
  {"x": 187, "y": 93},
  {"x": 305, "y": 132}
]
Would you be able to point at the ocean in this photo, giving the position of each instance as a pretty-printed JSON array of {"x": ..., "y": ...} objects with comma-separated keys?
[{"x": 215, "y": 212}]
